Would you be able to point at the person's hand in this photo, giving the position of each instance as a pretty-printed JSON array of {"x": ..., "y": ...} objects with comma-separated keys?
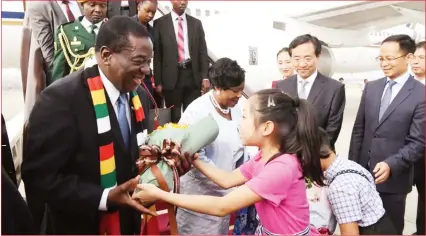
[
  {"x": 147, "y": 193},
  {"x": 172, "y": 151},
  {"x": 382, "y": 172},
  {"x": 119, "y": 196},
  {"x": 205, "y": 86}
]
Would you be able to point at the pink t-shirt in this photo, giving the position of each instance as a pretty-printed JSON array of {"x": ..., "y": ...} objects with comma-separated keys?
[{"x": 285, "y": 208}]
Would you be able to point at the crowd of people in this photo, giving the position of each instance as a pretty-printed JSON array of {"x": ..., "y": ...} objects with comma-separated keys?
[{"x": 85, "y": 129}]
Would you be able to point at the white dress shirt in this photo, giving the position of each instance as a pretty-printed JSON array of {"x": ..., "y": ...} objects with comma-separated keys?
[
  {"x": 124, "y": 3},
  {"x": 185, "y": 31},
  {"x": 422, "y": 80},
  {"x": 308, "y": 86},
  {"x": 74, "y": 7},
  {"x": 400, "y": 81},
  {"x": 113, "y": 95},
  {"x": 88, "y": 25}
]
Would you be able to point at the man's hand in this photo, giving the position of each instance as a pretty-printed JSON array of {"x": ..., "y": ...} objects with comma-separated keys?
[
  {"x": 119, "y": 196},
  {"x": 382, "y": 172},
  {"x": 205, "y": 86}
]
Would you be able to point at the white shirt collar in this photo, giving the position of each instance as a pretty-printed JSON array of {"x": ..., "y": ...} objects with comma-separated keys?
[
  {"x": 111, "y": 90},
  {"x": 310, "y": 79},
  {"x": 86, "y": 23},
  {"x": 175, "y": 16},
  {"x": 401, "y": 79}
]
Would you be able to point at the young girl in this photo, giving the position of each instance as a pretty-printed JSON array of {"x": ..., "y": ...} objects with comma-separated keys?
[{"x": 285, "y": 131}]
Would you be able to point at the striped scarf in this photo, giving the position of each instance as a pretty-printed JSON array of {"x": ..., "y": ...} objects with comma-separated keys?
[{"x": 110, "y": 222}]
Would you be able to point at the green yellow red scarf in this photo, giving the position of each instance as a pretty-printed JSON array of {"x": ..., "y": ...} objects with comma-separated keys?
[{"x": 110, "y": 222}]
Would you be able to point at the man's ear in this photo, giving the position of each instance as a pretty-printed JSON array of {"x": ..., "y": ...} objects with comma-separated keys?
[{"x": 105, "y": 55}]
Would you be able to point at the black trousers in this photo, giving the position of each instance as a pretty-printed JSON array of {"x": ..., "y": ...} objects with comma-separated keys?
[
  {"x": 382, "y": 227},
  {"x": 419, "y": 181},
  {"x": 184, "y": 93},
  {"x": 394, "y": 204}
]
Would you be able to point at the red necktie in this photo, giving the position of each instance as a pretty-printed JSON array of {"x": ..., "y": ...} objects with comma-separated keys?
[
  {"x": 69, "y": 12},
  {"x": 180, "y": 41}
]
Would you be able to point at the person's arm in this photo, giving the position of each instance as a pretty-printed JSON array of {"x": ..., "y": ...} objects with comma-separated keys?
[
  {"x": 335, "y": 119},
  {"x": 349, "y": 228},
  {"x": 216, "y": 206},
  {"x": 42, "y": 30},
  {"x": 358, "y": 130},
  {"x": 345, "y": 203},
  {"x": 203, "y": 56},
  {"x": 224, "y": 179},
  {"x": 415, "y": 144},
  {"x": 272, "y": 184},
  {"x": 48, "y": 153}
]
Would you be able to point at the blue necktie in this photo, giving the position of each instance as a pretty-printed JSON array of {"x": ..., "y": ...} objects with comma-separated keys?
[{"x": 122, "y": 119}]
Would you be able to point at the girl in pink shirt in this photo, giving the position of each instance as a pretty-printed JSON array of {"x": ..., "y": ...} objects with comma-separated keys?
[{"x": 285, "y": 131}]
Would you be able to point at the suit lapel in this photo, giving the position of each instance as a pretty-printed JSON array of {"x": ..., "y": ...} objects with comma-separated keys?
[
  {"x": 400, "y": 97},
  {"x": 316, "y": 88},
  {"x": 170, "y": 28},
  {"x": 57, "y": 9},
  {"x": 190, "y": 27},
  {"x": 133, "y": 140},
  {"x": 377, "y": 93}
]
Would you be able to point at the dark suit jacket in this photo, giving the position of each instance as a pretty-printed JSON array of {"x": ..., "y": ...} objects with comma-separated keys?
[
  {"x": 61, "y": 158},
  {"x": 398, "y": 139},
  {"x": 6, "y": 153},
  {"x": 327, "y": 97},
  {"x": 115, "y": 5},
  {"x": 166, "y": 53},
  {"x": 17, "y": 219}
]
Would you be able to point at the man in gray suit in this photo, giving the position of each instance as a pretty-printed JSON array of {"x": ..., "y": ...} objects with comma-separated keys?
[
  {"x": 388, "y": 134},
  {"x": 122, "y": 8},
  {"x": 44, "y": 17},
  {"x": 325, "y": 94}
]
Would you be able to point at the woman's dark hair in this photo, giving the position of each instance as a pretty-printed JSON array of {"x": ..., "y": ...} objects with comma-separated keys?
[
  {"x": 325, "y": 143},
  {"x": 282, "y": 50},
  {"x": 296, "y": 128},
  {"x": 226, "y": 73}
]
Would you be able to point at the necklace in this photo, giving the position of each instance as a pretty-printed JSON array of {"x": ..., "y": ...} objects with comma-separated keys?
[{"x": 216, "y": 104}]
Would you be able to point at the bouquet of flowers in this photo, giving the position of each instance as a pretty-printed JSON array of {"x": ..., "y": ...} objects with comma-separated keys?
[{"x": 159, "y": 167}]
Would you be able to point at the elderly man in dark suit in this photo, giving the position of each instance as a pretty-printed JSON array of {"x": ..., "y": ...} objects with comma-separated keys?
[
  {"x": 180, "y": 58},
  {"x": 325, "y": 94},
  {"x": 84, "y": 133},
  {"x": 388, "y": 134}
]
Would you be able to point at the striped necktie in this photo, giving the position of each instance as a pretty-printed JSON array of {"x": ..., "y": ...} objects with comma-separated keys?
[{"x": 180, "y": 41}]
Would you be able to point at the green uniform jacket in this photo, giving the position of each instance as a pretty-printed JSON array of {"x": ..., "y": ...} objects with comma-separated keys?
[{"x": 80, "y": 41}]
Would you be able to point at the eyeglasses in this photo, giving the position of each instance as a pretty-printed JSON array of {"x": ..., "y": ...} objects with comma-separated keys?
[{"x": 392, "y": 59}]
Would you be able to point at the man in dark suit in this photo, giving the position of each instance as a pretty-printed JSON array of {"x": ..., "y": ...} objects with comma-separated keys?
[
  {"x": 122, "y": 8},
  {"x": 180, "y": 58},
  {"x": 6, "y": 153},
  {"x": 388, "y": 134},
  {"x": 418, "y": 68},
  {"x": 83, "y": 137},
  {"x": 325, "y": 94}
]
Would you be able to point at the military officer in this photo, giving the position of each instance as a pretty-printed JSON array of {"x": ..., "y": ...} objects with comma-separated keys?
[{"x": 75, "y": 41}]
